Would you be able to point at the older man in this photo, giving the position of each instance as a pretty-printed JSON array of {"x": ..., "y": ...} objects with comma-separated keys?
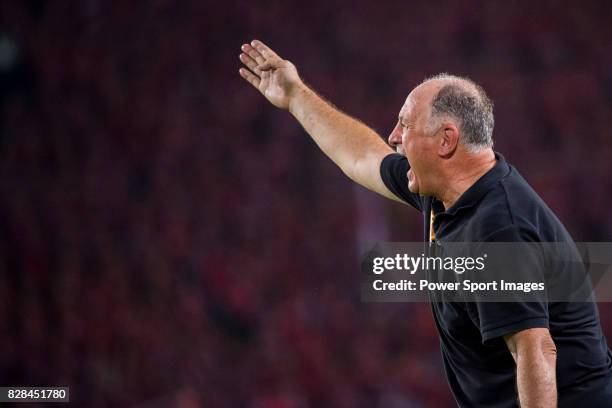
[{"x": 495, "y": 354}]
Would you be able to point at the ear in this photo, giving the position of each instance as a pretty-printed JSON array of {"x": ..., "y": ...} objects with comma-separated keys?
[{"x": 449, "y": 139}]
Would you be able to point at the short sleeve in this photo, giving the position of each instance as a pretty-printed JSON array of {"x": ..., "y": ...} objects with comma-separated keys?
[
  {"x": 393, "y": 171},
  {"x": 497, "y": 319}
]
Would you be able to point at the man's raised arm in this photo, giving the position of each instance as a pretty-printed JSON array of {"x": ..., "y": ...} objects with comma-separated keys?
[{"x": 352, "y": 145}]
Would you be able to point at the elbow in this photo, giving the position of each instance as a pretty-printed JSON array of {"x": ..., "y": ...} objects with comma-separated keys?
[
  {"x": 549, "y": 348},
  {"x": 544, "y": 350},
  {"x": 533, "y": 343}
]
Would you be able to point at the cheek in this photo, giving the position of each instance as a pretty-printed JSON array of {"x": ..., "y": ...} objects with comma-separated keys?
[
  {"x": 411, "y": 147},
  {"x": 407, "y": 142}
]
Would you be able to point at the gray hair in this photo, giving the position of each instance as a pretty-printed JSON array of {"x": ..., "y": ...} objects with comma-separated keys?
[{"x": 466, "y": 102}]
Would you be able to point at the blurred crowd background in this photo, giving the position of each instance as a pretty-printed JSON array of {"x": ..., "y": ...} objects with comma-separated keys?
[{"x": 168, "y": 238}]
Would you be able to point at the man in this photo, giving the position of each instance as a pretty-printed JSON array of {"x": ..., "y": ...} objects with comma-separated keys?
[{"x": 495, "y": 354}]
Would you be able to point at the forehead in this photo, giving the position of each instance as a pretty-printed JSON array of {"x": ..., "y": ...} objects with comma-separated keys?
[
  {"x": 408, "y": 107},
  {"x": 413, "y": 104},
  {"x": 418, "y": 100}
]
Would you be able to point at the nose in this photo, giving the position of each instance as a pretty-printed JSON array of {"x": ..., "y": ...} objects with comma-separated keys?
[{"x": 395, "y": 138}]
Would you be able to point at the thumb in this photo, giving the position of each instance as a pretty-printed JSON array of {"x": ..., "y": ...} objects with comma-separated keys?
[{"x": 272, "y": 63}]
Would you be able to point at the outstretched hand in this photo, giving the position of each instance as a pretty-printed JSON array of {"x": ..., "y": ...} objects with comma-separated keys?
[{"x": 277, "y": 79}]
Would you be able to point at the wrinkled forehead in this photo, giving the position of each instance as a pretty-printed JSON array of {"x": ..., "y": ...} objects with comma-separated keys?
[
  {"x": 413, "y": 106},
  {"x": 407, "y": 109},
  {"x": 418, "y": 101}
]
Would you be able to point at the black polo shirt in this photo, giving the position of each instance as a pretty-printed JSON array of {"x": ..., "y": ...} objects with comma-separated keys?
[{"x": 502, "y": 207}]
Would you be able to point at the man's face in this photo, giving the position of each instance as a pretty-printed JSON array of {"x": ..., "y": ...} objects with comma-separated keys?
[{"x": 411, "y": 139}]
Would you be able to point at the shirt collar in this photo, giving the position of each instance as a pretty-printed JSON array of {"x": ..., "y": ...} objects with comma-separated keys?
[{"x": 482, "y": 186}]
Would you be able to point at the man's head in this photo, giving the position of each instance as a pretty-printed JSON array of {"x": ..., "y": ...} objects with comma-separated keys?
[{"x": 445, "y": 119}]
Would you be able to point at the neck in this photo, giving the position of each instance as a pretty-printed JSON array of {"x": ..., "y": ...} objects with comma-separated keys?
[{"x": 463, "y": 173}]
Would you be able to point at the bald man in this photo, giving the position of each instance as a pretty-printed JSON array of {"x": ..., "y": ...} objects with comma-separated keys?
[{"x": 495, "y": 354}]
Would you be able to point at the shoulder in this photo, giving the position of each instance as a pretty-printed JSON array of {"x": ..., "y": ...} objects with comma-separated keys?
[
  {"x": 513, "y": 209},
  {"x": 510, "y": 210}
]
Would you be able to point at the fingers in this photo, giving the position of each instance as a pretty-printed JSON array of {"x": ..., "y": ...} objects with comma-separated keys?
[
  {"x": 250, "y": 77},
  {"x": 251, "y": 63},
  {"x": 258, "y": 58},
  {"x": 253, "y": 53},
  {"x": 263, "y": 49}
]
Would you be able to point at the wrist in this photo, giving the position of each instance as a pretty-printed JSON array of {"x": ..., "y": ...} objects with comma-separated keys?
[{"x": 298, "y": 93}]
